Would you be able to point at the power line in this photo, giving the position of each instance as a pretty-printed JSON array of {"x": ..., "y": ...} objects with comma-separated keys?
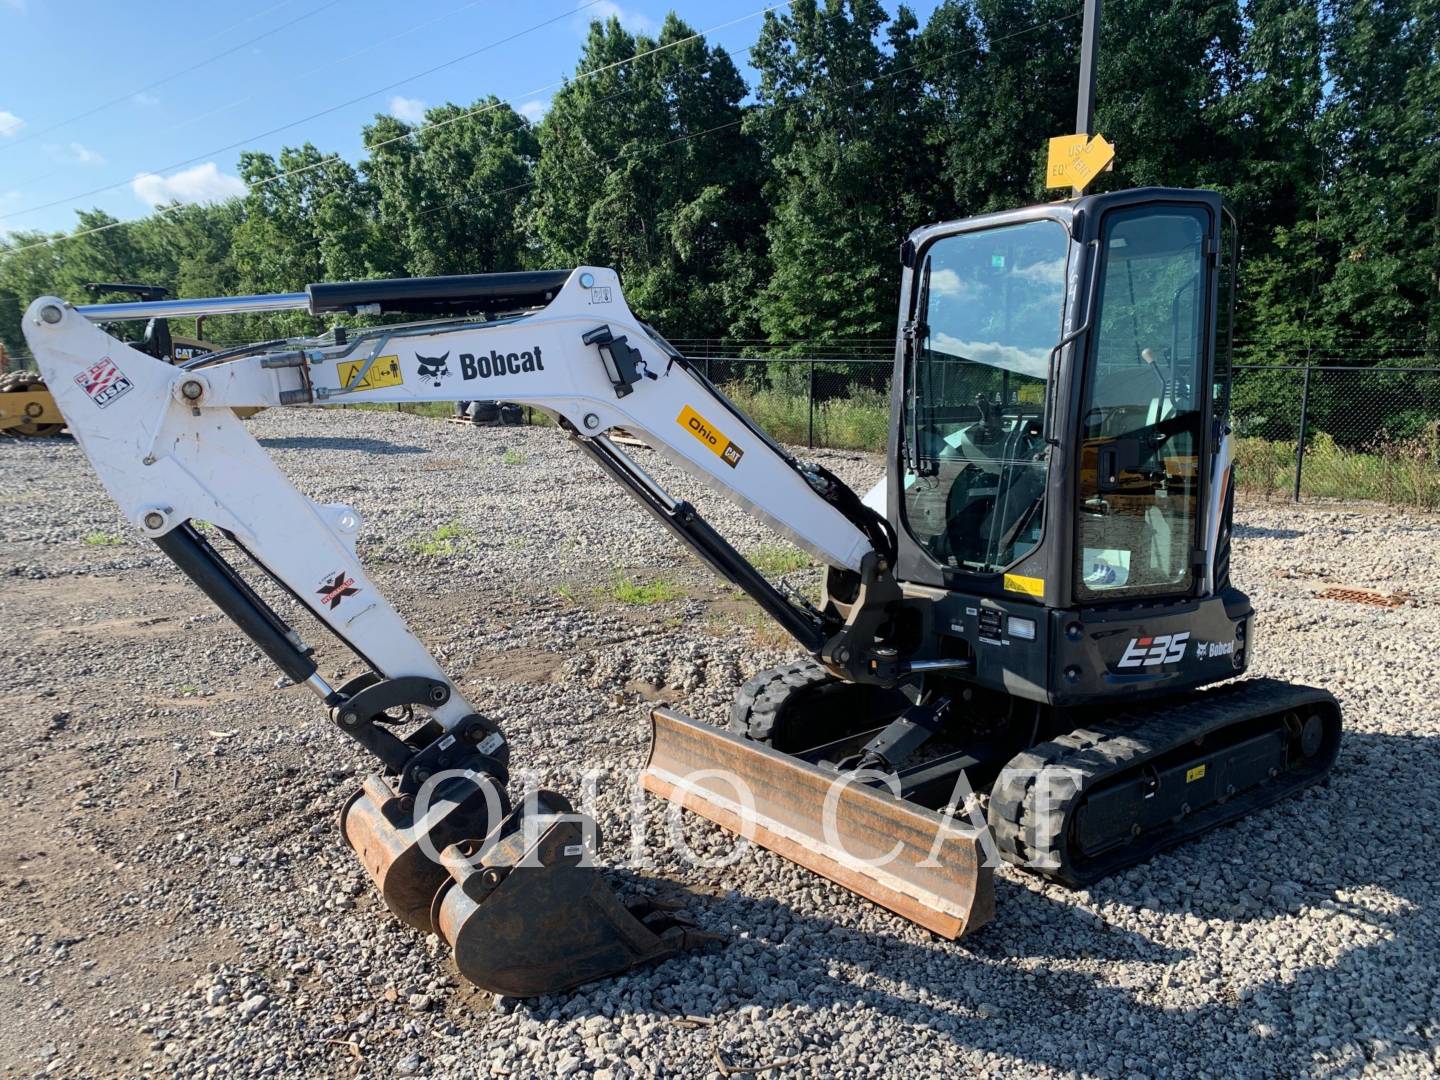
[
  {"x": 310, "y": 72},
  {"x": 621, "y": 92},
  {"x": 175, "y": 74},
  {"x": 429, "y": 126},
  {"x": 241, "y": 22},
  {"x": 249, "y": 140}
]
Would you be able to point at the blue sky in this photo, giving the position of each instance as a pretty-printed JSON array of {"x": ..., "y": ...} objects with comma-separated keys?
[{"x": 96, "y": 95}]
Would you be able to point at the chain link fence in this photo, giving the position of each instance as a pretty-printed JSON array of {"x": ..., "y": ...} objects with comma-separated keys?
[
  {"x": 1318, "y": 431},
  {"x": 1339, "y": 432}
]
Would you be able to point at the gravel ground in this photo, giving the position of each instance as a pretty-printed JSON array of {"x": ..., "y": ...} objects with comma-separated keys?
[{"x": 174, "y": 898}]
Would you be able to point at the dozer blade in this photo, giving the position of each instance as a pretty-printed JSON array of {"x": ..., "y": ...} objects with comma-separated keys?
[{"x": 923, "y": 866}]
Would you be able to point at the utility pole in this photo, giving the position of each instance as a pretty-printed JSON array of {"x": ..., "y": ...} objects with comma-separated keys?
[
  {"x": 1074, "y": 161},
  {"x": 1089, "y": 38}
]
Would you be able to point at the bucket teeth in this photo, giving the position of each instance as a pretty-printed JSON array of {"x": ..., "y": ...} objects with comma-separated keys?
[{"x": 926, "y": 867}]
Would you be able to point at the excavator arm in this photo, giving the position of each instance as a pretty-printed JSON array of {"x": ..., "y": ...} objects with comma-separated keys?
[
  {"x": 167, "y": 448},
  {"x": 435, "y": 829}
]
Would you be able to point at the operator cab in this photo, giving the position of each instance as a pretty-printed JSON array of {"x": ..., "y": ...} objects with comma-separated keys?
[{"x": 1056, "y": 365}]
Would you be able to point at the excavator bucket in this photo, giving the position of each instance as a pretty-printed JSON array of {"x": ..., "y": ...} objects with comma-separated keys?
[
  {"x": 926, "y": 867},
  {"x": 522, "y": 909}
]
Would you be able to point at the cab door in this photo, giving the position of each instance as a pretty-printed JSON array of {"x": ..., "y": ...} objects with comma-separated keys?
[{"x": 1143, "y": 454}]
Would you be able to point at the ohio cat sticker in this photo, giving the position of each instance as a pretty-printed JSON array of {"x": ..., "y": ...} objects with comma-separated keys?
[{"x": 706, "y": 432}]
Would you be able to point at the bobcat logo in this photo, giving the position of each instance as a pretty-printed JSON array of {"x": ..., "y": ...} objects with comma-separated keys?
[{"x": 433, "y": 368}]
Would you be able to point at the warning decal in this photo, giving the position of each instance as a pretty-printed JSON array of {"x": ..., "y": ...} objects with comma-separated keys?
[{"x": 385, "y": 371}]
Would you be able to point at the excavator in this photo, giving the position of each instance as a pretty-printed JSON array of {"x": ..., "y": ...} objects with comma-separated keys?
[{"x": 1013, "y": 652}]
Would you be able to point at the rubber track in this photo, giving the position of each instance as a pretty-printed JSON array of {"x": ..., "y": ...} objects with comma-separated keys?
[
  {"x": 1094, "y": 754},
  {"x": 757, "y": 706}
]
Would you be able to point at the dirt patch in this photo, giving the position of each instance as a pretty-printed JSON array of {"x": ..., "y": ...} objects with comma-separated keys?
[
  {"x": 517, "y": 665},
  {"x": 648, "y": 691}
]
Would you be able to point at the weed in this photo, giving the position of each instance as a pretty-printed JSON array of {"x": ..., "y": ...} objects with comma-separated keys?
[
  {"x": 768, "y": 633},
  {"x": 643, "y": 593},
  {"x": 1403, "y": 472},
  {"x": 512, "y": 457},
  {"x": 102, "y": 539},
  {"x": 777, "y": 559},
  {"x": 765, "y": 630},
  {"x": 442, "y": 540},
  {"x": 436, "y": 409},
  {"x": 858, "y": 422},
  {"x": 453, "y": 531}
]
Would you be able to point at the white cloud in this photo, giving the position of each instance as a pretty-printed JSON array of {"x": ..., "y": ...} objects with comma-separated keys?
[
  {"x": 203, "y": 183},
  {"x": 147, "y": 100},
  {"x": 947, "y": 282},
  {"x": 1034, "y": 362},
  {"x": 634, "y": 21},
  {"x": 533, "y": 110},
  {"x": 76, "y": 153},
  {"x": 9, "y": 124},
  {"x": 409, "y": 109},
  {"x": 1050, "y": 272}
]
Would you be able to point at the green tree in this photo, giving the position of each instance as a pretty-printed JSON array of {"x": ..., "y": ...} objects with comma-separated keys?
[
  {"x": 1277, "y": 193},
  {"x": 644, "y": 166},
  {"x": 1165, "y": 69},
  {"x": 1000, "y": 75},
  {"x": 453, "y": 190},
  {"x": 841, "y": 144},
  {"x": 1381, "y": 137}
]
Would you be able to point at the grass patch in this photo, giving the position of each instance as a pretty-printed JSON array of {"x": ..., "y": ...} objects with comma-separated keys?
[
  {"x": 102, "y": 539},
  {"x": 858, "y": 422},
  {"x": 512, "y": 457},
  {"x": 436, "y": 409},
  {"x": 1403, "y": 473},
  {"x": 766, "y": 632},
  {"x": 779, "y": 559},
  {"x": 624, "y": 590},
  {"x": 442, "y": 541}
]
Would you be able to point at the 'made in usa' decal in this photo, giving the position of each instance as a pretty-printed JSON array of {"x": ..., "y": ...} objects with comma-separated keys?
[{"x": 104, "y": 382}]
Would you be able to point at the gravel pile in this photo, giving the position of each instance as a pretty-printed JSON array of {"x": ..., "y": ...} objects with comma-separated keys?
[{"x": 175, "y": 900}]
